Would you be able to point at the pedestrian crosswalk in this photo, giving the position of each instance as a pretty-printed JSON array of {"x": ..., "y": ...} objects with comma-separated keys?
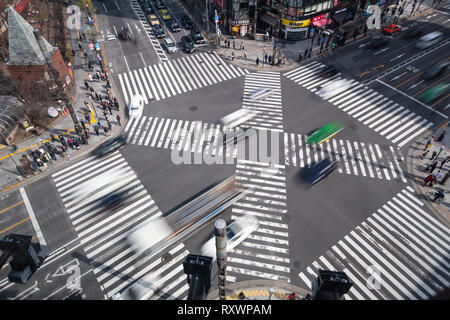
[
  {"x": 268, "y": 111},
  {"x": 355, "y": 158},
  {"x": 104, "y": 200},
  {"x": 391, "y": 120},
  {"x": 399, "y": 252},
  {"x": 265, "y": 253},
  {"x": 148, "y": 30},
  {"x": 177, "y": 76}
]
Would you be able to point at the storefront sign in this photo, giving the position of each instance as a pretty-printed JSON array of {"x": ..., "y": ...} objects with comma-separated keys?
[
  {"x": 321, "y": 20},
  {"x": 297, "y": 29},
  {"x": 239, "y": 22},
  {"x": 316, "y": 19},
  {"x": 336, "y": 2},
  {"x": 219, "y": 3},
  {"x": 292, "y": 11},
  {"x": 296, "y": 24},
  {"x": 300, "y": 12}
]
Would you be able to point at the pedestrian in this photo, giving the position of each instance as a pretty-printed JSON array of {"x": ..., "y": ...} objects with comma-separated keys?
[
  {"x": 433, "y": 155},
  {"x": 354, "y": 35},
  {"x": 440, "y": 150},
  {"x": 96, "y": 130},
  {"x": 432, "y": 167},
  {"x": 108, "y": 84},
  {"x": 105, "y": 129},
  {"x": 438, "y": 174},
  {"x": 428, "y": 179},
  {"x": 428, "y": 144},
  {"x": 284, "y": 60},
  {"x": 232, "y": 56},
  {"x": 105, "y": 115},
  {"x": 299, "y": 56},
  {"x": 109, "y": 124},
  {"x": 109, "y": 109},
  {"x": 245, "y": 54},
  {"x": 441, "y": 136},
  {"x": 83, "y": 124},
  {"x": 306, "y": 52},
  {"x": 243, "y": 47},
  {"x": 73, "y": 53},
  {"x": 279, "y": 61},
  {"x": 86, "y": 84},
  {"x": 228, "y": 43},
  {"x": 234, "y": 45},
  {"x": 228, "y": 54},
  {"x": 85, "y": 53},
  {"x": 444, "y": 161},
  {"x": 79, "y": 46},
  {"x": 240, "y": 45},
  {"x": 257, "y": 61},
  {"x": 118, "y": 119},
  {"x": 270, "y": 59},
  {"x": 439, "y": 194},
  {"x": 425, "y": 153},
  {"x": 265, "y": 57}
]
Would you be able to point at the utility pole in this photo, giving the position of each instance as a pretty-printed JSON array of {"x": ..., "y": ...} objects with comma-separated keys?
[
  {"x": 256, "y": 17},
  {"x": 217, "y": 27},
  {"x": 206, "y": 15},
  {"x": 61, "y": 86},
  {"x": 221, "y": 251}
]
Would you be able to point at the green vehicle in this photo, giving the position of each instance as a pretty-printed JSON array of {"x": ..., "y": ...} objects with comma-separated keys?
[
  {"x": 434, "y": 92},
  {"x": 323, "y": 134}
]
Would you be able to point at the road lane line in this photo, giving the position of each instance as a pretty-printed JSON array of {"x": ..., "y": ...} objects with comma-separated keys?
[
  {"x": 10, "y": 207},
  {"x": 32, "y": 216},
  {"x": 4, "y": 230}
]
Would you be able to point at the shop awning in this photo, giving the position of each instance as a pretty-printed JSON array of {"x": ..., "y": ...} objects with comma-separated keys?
[{"x": 269, "y": 20}]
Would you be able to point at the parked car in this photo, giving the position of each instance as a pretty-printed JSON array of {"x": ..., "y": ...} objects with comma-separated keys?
[
  {"x": 164, "y": 14},
  {"x": 391, "y": 29},
  {"x": 435, "y": 70},
  {"x": 147, "y": 8},
  {"x": 197, "y": 37},
  {"x": 187, "y": 22},
  {"x": 170, "y": 45},
  {"x": 153, "y": 19},
  {"x": 161, "y": 5},
  {"x": 378, "y": 43},
  {"x": 173, "y": 25},
  {"x": 188, "y": 45},
  {"x": 158, "y": 31}
]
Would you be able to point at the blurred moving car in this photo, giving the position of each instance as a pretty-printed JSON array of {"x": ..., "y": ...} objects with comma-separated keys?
[
  {"x": 435, "y": 70},
  {"x": 378, "y": 43},
  {"x": 412, "y": 32},
  {"x": 429, "y": 40},
  {"x": 173, "y": 25},
  {"x": 187, "y": 22},
  {"x": 147, "y": 7},
  {"x": 323, "y": 134},
  {"x": 125, "y": 33},
  {"x": 197, "y": 37},
  {"x": 334, "y": 88},
  {"x": 328, "y": 72},
  {"x": 158, "y": 31},
  {"x": 319, "y": 171},
  {"x": 170, "y": 45},
  {"x": 109, "y": 146},
  {"x": 164, "y": 14},
  {"x": 434, "y": 92},
  {"x": 236, "y": 232},
  {"x": 153, "y": 19},
  {"x": 391, "y": 29},
  {"x": 136, "y": 106},
  {"x": 188, "y": 45}
]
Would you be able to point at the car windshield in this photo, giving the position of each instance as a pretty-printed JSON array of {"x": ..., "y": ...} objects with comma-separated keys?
[{"x": 169, "y": 44}]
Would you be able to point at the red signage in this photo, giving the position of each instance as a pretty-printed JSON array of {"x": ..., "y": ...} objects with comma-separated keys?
[
  {"x": 322, "y": 16},
  {"x": 292, "y": 11},
  {"x": 219, "y": 3},
  {"x": 268, "y": 3},
  {"x": 336, "y": 2}
]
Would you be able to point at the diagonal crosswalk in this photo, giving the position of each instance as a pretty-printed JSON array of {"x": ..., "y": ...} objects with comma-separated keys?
[
  {"x": 177, "y": 76},
  {"x": 391, "y": 120},
  {"x": 102, "y": 226},
  {"x": 399, "y": 252},
  {"x": 355, "y": 158},
  {"x": 268, "y": 111}
]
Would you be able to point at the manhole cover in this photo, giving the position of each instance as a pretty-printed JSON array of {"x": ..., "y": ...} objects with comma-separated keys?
[
  {"x": 297, "y": 264},
  {"x": 167, "y": 257},
  {"x": 193, "y": 108}
]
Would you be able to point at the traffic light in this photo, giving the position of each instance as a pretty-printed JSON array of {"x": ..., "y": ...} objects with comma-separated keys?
[{"x": 198, "y": 271}]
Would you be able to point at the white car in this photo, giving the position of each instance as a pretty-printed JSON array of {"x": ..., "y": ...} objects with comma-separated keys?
[
  {"x": 136, "y": 106},
  {"x": 170, "y": 45},
  {"x": 237, "y": 232},
  {"x": 261, "y": 94},
  {"x": 334, "y": 88}
]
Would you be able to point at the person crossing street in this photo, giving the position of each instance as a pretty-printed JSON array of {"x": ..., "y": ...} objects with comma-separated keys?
[{"x": 118, "y": 119}]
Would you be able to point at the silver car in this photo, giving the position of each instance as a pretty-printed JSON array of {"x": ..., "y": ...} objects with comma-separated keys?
[{"x": 170, "y": 45}]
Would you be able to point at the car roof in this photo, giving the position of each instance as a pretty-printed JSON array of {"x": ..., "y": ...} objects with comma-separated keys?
[{"x": 168, "y": 40}]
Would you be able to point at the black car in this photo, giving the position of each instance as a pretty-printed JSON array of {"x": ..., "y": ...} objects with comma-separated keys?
[
  {"x": 197, "y": 36},
  {"x": 110, "y": 145},
  {"x": 147, "y": 8},
  {"x": 173, "y": 25},
  {"x": 158, "y": 31},
  {"x": 378, "y": 43},
  {"x": 435, "y": 71},
  {"x": 125, "y": 33},
  {"x": 328, "y": 72},
  {"x": 319, "y": 171},
  {"x": 412, "y": 33},
  {"x": 187, "y": 22},
  {"x": 187, "y": 43}
]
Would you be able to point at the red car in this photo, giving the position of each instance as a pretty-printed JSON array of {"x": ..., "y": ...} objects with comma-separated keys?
[{"x": 391, "y": 29}]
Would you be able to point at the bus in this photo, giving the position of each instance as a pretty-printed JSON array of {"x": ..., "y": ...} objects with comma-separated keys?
[
  {"x": 434, "y": 92},
  {"x": 323, "y": 134}
]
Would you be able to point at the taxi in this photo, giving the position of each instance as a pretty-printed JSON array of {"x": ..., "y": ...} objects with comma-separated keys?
[
  {"x": 164, "y": 14},
  {"x": 391, "y": 29}
]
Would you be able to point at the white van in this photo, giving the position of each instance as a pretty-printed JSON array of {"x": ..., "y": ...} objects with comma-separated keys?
[
  {"x": 136, "y": 106},
  {"x": 429, "y": 40}
]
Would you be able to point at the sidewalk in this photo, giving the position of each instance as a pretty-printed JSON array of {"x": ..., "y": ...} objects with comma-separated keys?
[
  {"x": 416, "y": 169},
  {"x": 10, "y": 155},
  {"x": 260, "y": 290}
]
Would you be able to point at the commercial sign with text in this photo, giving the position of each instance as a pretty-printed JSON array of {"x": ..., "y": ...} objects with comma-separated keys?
[{"x": 296, "y": 24}]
